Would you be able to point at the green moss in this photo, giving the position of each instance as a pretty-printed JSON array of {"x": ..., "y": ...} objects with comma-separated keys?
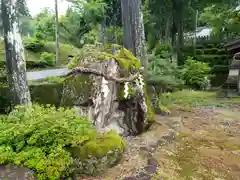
[
  {"x": 76, "y": 90},
  {"x": 150, "y": 111},
  {"x": 97, "y": 154},
  {"x": 126, "y": 59},
  {"x": 99, "y": 146}
]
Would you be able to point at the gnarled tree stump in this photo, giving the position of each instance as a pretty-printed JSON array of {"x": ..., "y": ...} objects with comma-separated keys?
[{"x": 94, "y": 90}]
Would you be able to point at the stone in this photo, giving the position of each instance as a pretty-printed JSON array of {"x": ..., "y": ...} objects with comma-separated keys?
[
  {"x": 152, "y": 162},
  {"x": 12, "y": 172},
  {"x": 130, "y": 178},
  {"x": 232, "y": 83},
  {"x": 150, "y": 169}
]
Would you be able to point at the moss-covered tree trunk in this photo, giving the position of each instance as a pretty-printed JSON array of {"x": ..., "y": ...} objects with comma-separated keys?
[{"x": 15, "y": 58}]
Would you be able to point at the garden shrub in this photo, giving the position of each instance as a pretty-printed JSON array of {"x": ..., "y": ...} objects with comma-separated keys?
[
  {"x": 188, "y": 49},
  {"x": 162, "y": 49},
  {"x": 199, "y": 51},
  {"x": 213, "y": 59},
  {"x": 209, "y": 45},
  {"x": 221, "y": 52},
  {"x": 33, "y": 44},
  {"x": 199, "y": 46},
  {"x": 65, "y": 50},
  {"x": 40, "y": 137},
  {"x": 29, "y": 64},
  {"x": 48, "y": 58},
  {"x": 163, "y": 72},
  {"x": 219, "y": 69},
  {"x": 195, "y": 72},
  {"x": 211, "y": 51}
]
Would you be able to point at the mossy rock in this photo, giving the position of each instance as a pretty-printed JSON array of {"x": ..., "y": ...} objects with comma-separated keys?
[
  {"x": 77, "y": 89},
  {"x": 98, "y": 154}
]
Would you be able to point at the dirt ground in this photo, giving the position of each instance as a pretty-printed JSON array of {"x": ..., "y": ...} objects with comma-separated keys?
[{"x": 206, "y": 147}]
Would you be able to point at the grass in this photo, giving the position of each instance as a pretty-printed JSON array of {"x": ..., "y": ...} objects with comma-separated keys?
[{"x": 190, "y": 98}]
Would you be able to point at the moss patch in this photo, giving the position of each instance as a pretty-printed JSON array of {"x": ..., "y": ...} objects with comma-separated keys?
[
  {"x": 98, "y": 154},
  {"x": 99, "y": 146},
  {"x": 76, "y": 90},
  {"x": 150, "y": 111}
]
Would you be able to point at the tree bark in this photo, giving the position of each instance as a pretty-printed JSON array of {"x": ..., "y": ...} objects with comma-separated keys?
[
  {"x": 180, "y": 30},
  {"x": 195, "y": 32},
  {"x": 15, "y": 58},
  {"x": 57, "y": 32},
  {"x": 167, "y": 28},
  {"x": 134, "y": 35},
  {"x": 174, "y": 34}
]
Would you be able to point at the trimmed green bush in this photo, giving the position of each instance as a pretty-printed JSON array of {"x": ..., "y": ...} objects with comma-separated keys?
[
  {"x": 199, "y": 51},
  {"x": 33, "y": 44},
  {"x": 219, "y": 69},
  {"x": 164, "y": 73},
  {"x": 199, "y": 46},
  {"x": 213, "y": 59},
  {"x": 34, "y": 48},
  {"x": 222, "y": 52},
  {"x": 36, "y": 136},
  {"x": 30, "y": 64},
  {"x": 42, "y": 93},
  {"x": 195, "y": 72},
  {"x": 162, "y": 48},
  {"x": 48, "y": 58},
  {"x": 211, "y": 51},
  {"x": 41, "y": 138},
  {"x": 209, "y": 45}
]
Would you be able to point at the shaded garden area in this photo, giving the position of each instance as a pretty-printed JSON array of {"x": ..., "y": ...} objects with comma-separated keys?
[{"x": 141, "y": 95}]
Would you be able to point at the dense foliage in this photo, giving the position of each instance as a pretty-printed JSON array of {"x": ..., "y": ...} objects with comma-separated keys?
[
  {"x": 196, "y": 73},
  {"x": 38, "y": 137}
]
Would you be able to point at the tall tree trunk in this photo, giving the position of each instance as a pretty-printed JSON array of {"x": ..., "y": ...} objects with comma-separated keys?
[
  {"x": 102, "y": 28},
  {"x": 15, "y": 58},
  {"x": 127, "y": 23},
  {"x": 57, "y": 32},
  {"x": 134, "y": 35},
  {"x": 180, "y": 40},
  {"x": 167, "y": 28},
  {"x": 195, "y": 32},
  {"x": 178, "y": 24},
  {"x": 174, "y": 34}
]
